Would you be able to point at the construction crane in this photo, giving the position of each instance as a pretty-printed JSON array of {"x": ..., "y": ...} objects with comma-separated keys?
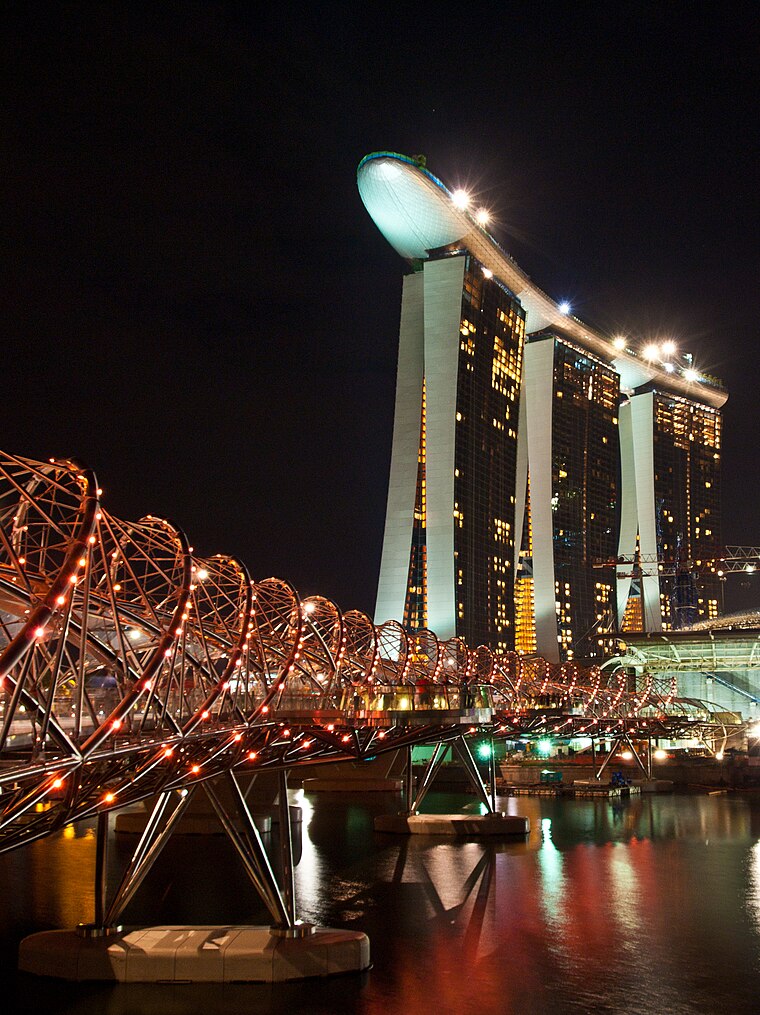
[
  {"x": 717, "y": 563},
  {"x": 726, "y": 560}
]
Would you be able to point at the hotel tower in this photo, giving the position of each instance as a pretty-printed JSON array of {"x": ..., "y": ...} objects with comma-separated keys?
[{"x": 530, "y": 450}]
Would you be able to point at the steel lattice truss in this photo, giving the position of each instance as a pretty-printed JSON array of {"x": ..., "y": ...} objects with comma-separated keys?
[{"x": 129, "y": 668}]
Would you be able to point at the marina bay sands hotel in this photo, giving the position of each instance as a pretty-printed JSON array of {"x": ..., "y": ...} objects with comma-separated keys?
[{"x": 531, "y": 451}]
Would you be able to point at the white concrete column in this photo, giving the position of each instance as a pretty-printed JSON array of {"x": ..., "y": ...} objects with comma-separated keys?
[
  {"x": 642, "y": 430},
  {"x": 539, "y": 404},
  {"x": 402, "y": 487},
  {"x": 521, "y": 477},
  {"x": 629, "y": 522},
  {"x": 444, "y": 281}
]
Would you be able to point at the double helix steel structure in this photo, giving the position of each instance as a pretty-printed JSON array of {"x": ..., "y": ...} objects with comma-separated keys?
[{"x": 131, "y": 669}]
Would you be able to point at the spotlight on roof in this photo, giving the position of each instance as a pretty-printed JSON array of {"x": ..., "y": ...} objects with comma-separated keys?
[
  {"x": 487, "y": 273},
  {"x": 483, "y": 217},
  {"x": 651, "y": 352},
  {"x": 669, "y": 348},
  {"x": 619, "y": 342},
  {"x": 564, "y": 307},
  {"x": 460, "y": 198},
  {"x": 691, "y": 375}
]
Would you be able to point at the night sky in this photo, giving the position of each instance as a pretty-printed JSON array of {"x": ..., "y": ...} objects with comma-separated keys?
[{"x": 196, "y": 303}]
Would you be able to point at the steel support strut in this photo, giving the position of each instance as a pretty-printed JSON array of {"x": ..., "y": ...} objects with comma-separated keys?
[
  {"x": 147, "y": 851},
  {"x": 635, "y": 754},
  {"x": 262, "y": 879},
  {"x": 270, "y": 890},
  {"x": 286, "y": 850},
  {"x": 608, "y": 759},
  {"x": 431, "y": 770},
  {"x": 470, "y": 767},
  {"x": 409, "y": 781},
  {"x": 101, "y": 869}
]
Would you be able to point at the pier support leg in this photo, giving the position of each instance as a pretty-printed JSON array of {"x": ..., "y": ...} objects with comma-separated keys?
[
  {"x": 147, "y": 851},
  {"x": 431, "y": 770},
  {"x": 465, "y": 756},
  {"x": 492, "y": 776},
  {"x": 608, "y": 759},
  {"x": 288, "y": 870},
  {"x": 101, "y": 869},
  {"x": 409, "y": 781}
]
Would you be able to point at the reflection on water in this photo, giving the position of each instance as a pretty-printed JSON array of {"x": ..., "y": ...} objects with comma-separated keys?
[{"x": 649, "y": 906}]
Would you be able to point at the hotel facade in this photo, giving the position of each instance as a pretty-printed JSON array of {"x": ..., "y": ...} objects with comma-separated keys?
[{"x": 531, "y": 452}]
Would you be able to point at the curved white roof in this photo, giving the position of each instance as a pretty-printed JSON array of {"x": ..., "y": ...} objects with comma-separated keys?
[{"x": 416, "y": 214}]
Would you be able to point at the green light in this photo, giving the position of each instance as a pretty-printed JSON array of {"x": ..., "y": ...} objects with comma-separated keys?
[
  {"x": 484, "y": 751},
  {"x": 544, "y": 748}
]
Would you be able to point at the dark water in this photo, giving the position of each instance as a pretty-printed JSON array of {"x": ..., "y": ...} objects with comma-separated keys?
[{"x": 650, "y": 906}]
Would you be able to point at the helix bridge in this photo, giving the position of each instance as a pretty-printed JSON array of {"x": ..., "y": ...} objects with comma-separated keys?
[{"x": 132, "y": 669}]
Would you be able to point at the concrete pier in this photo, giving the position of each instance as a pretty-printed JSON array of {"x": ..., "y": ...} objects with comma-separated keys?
[
  {"x": 466, "y": 825},
  {"x": 194, "y": 955},
  {"x": 202, "y": 821}
]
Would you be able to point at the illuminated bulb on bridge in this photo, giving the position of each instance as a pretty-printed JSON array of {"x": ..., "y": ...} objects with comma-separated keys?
[
  {"x": 461, "y": 199},
  {"x": 564, "y": 307},
  {"x": 669, "y": 348},
  {"x": 651, "y": 352},
  {"x": 619, "y": 343},
  {"x": 483, "y": 218}
]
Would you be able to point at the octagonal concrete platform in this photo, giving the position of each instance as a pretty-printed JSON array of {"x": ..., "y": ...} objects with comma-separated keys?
[
  {"x": 468, "y": 825},
  {"x": 194, "y": 955}
]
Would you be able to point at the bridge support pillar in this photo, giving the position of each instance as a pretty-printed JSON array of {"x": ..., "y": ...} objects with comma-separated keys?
[
  {"x": 465, "y": 756},
  {"x": 290, "y": 927},
  {"x": 431, "y": 770},
  {"x": 101, "y": 869}
]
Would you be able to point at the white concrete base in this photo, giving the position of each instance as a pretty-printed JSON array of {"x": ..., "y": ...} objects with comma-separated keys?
[
  {"x": 193, "y": 955},
  {"x": 468, "y": 825},
  {"x": 654, "y": 785}
]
